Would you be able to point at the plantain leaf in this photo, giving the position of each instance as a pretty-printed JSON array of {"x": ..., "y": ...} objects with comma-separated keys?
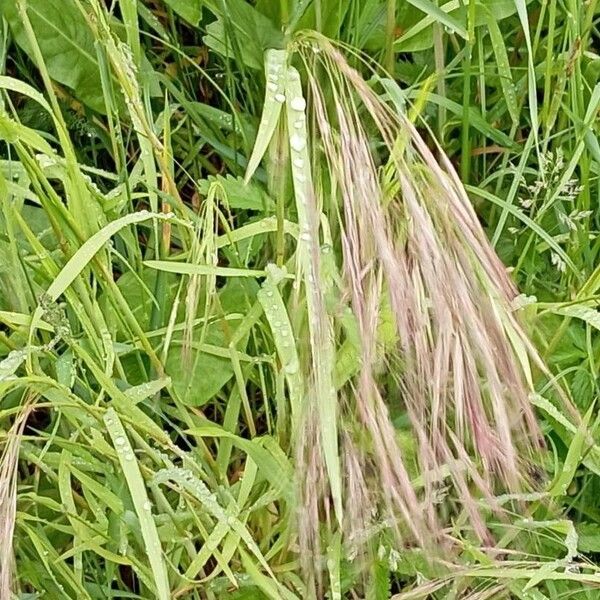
[
  {"x": 190, "y": 10},
  {"x": 418, "y": 32},
  {"x": 198, "y": 377},
  {"x": 252, "y": 33},
  {"x": 66, "y": 42},
  {"x": 67, "y": 45},
  {"x": 239, "y": 195}
]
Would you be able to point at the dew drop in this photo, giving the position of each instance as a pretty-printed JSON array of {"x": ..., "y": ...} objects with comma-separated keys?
[
  {"x": 269, "y": 293},
  {"x": 297, "y": 142},
  {"x": 298, "y": 162},
  {"x": 298, "y": 103},
  {"x": 147, "y": 505},
  {"x": 298, "y": 124},
  {"x": 120, "y": 441},
  {"x": 301, "y": 178},
  {"x": 305, "y": 237},
  {"x": 280, "y": 98},
  {"x": 272, "y": 86}
]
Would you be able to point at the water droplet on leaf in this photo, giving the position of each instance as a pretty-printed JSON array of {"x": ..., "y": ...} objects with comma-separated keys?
[
  {"x": 297, "y": 142},
  {"x": 298, "y": 103}
]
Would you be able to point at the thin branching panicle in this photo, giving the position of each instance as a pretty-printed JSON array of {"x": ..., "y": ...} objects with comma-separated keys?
[{"x": 411, "y": 240}]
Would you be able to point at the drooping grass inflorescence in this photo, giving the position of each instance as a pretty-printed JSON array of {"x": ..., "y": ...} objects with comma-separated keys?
[{"x": 429, "y": 303}]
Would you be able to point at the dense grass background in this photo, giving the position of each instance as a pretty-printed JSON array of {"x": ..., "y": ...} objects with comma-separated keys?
[{"x": 146, "y": 397}]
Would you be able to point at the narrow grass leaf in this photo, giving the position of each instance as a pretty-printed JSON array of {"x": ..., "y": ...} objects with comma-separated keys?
[
  {"x": 531, "y": 78},
  {"x": 504, "y": 73},
  {"x": 275, "y": 62},
  {"x": 573, "y": 458},
  {"x": 84, "y": 255},
  {"x": 279, "y": 477},
  {"x": 439, "y": 15},
  {"x": 193, "y": 269},
  {"x": 143, "y": 508},
  {"x": 535, "y": 227}
]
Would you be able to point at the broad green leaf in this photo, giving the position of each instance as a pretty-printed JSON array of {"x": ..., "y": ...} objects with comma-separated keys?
[
  {"x": 190, "y": 10},
  {"x": 589, "y": 537},
  {"x": 198, "y": 375},
  {"x": 253, "y": 32},
  {"x": 66, "y": 42},
  {"x": 239, "y": 195},
  {"x": 136, "y": 287}
]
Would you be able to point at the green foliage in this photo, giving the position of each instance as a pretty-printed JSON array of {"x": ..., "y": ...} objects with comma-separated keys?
[{"x": 66, "y": 42}]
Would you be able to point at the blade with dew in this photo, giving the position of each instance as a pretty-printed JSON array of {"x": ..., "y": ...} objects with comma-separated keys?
[
  {"x": 275, "y": 61},
  {"x": 141, "y": 503},
  {"x": 321, "y": 389},
  {"x": 83, "y": 256}
]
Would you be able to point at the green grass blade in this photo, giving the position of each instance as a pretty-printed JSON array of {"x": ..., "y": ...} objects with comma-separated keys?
[
  {"x": 141, "y": 503},
  {"x": 275, "y": 62},
  {"x": 192, "y": 269}
]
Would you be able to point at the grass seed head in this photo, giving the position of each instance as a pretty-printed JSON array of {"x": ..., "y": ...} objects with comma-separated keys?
[{"x": 410, "y": 239}]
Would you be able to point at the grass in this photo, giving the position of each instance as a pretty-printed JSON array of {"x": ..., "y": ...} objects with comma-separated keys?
[{"x": 259, "y": 340}]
